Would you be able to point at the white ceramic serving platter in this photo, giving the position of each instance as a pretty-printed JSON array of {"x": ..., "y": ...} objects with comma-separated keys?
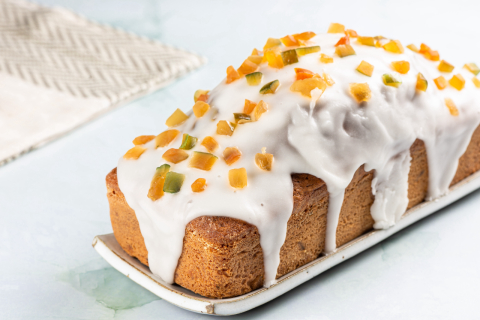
[{"x": 110, "y": 250}]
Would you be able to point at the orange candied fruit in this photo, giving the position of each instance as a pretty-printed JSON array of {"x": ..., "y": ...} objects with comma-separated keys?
[
  {"x": 202, "y": 160},
  {"x": 344, "y": 50},
  {"x": 237, "y": 178},
  {"x": 225, "y": 128},
  {"x": 134, "y": 153},
  {"x": 259, "y": 109},
  {"x": 200, "y": 108},
  {"x": 360, "y": 91},
  {"x": 232, "y": 74},
  {"x": 328, "y": 79},
  {"x": 401, "y": 66},
  {"x": 343, "y": 40},
  {"x": 457, "y": 81},
  {"x": 440, "y": 82},
  {"x": 201, "y": 95},
  {"x": 365, "y": 68},
  {"x": 366, "y": 41},
  {"x": 164, "y": 138},
  {"x": 210, "y": 144},
  {"x": 336, "y": 28},
  {"x": 424, "y": 48},
  {"x": 306, "y": 86},
  {"x": 138, "y": 141},
  {"x": 476, "y": 82},
  {"x": 451, "y": 107},
  {"x": 304, "y": 36},
  {"x": 274, "y": 59},
  {"x": 264, "y": 160},
  {"x": 351, "y": 33},
  {"x": 175, "y": 155},
  {"x": 393, "y": 46},
  {"x": 247, "y": 67},
  {"x": 156, "y": 186},
  {"x": 199, "y": 185},
  {"x": 301, "y": 74},
  {"x": 422, "y": 83},
  {"x": 231, "y": 155},
  {"x": 444, "y": 66},
  {"x": 289, "y": 41},
  {"x": 177, "y": 118},
  {"x": 432, "y": 55},
  {"x": 249, "y": 106},
  {"x": 325, "y": 58},
  {"x": 413, "y": 47}
]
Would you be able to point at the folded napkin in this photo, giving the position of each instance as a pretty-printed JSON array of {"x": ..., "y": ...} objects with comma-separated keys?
[{"x": 59, "y": 70}]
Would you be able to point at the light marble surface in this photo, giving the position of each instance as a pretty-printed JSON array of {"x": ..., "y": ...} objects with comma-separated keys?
[{"x": 52, "y": 201}]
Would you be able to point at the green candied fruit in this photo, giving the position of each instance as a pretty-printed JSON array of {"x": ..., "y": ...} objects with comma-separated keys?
[
  {"x": 270, "y": 87},
  {"x": 242, "y": 118},
  {"x": 307, "y": 50},
  {"x": 391, "y": 80},
  {"x": 254, "y": 79},
  {"x": 289, "y": 57},
  {"x": 173, "y": 182},
  {"x": 188, "y": 142}
]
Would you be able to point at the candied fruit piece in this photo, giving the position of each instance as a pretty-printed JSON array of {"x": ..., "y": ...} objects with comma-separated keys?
[
  {"x": 177, "y": 118},
  {"x": 274, "y": 59},
  {"x": 343, "y": 40},
  {"x": 380, "y": 41},
  {"x": 336, "y": 28},
  {"x": 344, "y": 50},
  {"x": 257, "y": 59},
  {"x": 365, "y": 68},
  {"x": 351, "y": 33},
  {"x": 366, "y": 41},
  {"x": 249, "y": 106},
  {"x": 325, "y": 58},
  {"x": 247, "y": 67},
  {"x": 173, "y": 182},
  {"x": 432, "y": 55},
  {"x": 305, "y": 86},
  {"x": 457, "y": 81},
  {"x": 164, "y": 138},
  {"x": 301, "y": 74},
  {"x": 289, "y": 57},
  {"x": 138, "y": 141},
  {"x": 440, "y": 82},
  {"x": 476, "y": 82},
  {"x": 304, "y": 36},
  {"x": 134, "y": 153},
  {"x": 264, "y": 160},
  {"x": 210, "y": 144},
  {"x": 401, "y": 66},
  {"x": 391, "y": 80},
  {"x": 255, "y": 52},
  {"x": 237, "y": 178},
  {"x": 199, "y": 185},
  {"x": 289, "y": 41},
  {"x": 188, "y": 142},
  {"x": 231, "y": 155},
  {"x": 451, "y": 107},
  {"x": 242, "y": 118},
  {"x": 202, "y": 160},
  {"x": 259, "y": 109},
  {"x": 422, "y": 83},
  {"x": 232, "y": 74},
  {"x": 424, "y": 48},
  {"x": 270, "y": 87},
  {"x": 254, "y": 79},
  {"x": 413, "y": 48},
  {"x": 156, "y": 186},
  {"x": 307, "y": 50},
  {"x": 360, "y": 91},
  {"x": 472, "y": 67},
  {"x": 200, "y": 108},
  {"x": 328, "y": 79},
  {"x": 393, "y": 46},
  {"x": 200, "y": 93},
  {"x": 444, "y": 66},
  {"x": 272, "y": 43},
  {"x": 175, "y": 155},
  {"x": 225, "y": 128}
]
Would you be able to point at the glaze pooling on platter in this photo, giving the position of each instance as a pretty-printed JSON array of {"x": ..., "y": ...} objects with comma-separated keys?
[{"x": 329, "y": 137}]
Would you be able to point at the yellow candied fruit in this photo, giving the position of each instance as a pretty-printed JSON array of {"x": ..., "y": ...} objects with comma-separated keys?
[
  {"x": 307, "y": 50},
  {"x": 274, "y": 59},
  {"x": 365, "y": 68},
  {"x": 164, "y": 138},
  {"x": 325, "y": 58},
  {"x": 401, "y": 66},
  {"x": 457, "y": 81},
  {"x": 289, "y": 41},
  {"x": 138, "y": 141},
  {"x": 444, "y": 66},
  {"x": 225, "y": 128},
  {"x": 270, "y": 87},
  {"x": 202, "y": 160},
  {"x": 366, "y": 41},
  {"x": 177, "y": 118},
  {"x": 254, "y": 78},
  {"x": 232, "y": 74},
  {"x": 432, "y": 55},
  {"x": 422, "y": 83},
  {"x": 391, "y": 80},
  {"x": 156, "y": 186},
  {"x": 476, "y": 82},
  {"x": 241, "y": 118},
  {"x": 360, "y": 91},
  {"x": 247, "y": 67},
  {"x": 344, "y": 50},
  {"x": 264, "y": 160},
  {"x": 304, "y": 36},
  {"x": 237, "y": 178},
  {"x": 440, "y": 82},
  {"x": 201, "y": 95},
  {"x": 256, "y": 52},
  {"x": 134, "y": 153},
  {"x": 231, "y": 155},
  {"x": 451, "y": 107},
  {"x": 393, "y": 46},
  {"x": 306, "y": 86},
  {"x": 413, "y": 47},
  {"x": 328, "y": 79},
  {"x": 257, "y": 59},
  {"x": 199, "y": 185},
  {"x": 210, "y": 144},
  {"x": 472, "y": 67},
  {"x": 259, "y": 109},
  {"x": 272, "y": 43},
  {"x": 351, "y": 33},
  {"x": 336, "y": 28},
  {"x": 200, "y": 108},
  {"x": 175, "y": 155},
  {"x": 249, "y": 106}
]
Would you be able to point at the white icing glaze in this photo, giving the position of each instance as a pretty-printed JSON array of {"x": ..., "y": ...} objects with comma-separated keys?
[{"x": 329, "y": 138}]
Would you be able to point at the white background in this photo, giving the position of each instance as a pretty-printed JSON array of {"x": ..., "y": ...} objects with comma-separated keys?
[{"x": 52, "y": 201}]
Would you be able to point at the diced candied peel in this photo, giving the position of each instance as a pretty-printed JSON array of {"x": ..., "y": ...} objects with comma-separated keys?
[
  {"x": 360, "y": 91},
  {"x": 344, "y": 50},
  {"x": 393, "y": 46},
  {"x": 401, "y": 66},
  {"x": 413, "y": 47},
  {"x": 254, "y": 79},
  {"x": 457, "y": 81},
  {"x": 444, "y": 66},
  {"x": 200, "y": 108},
  {"x": 264, "y": 160},
  {"x": 307, "y": 50},
  {"x": 188, "y": 142},
  {"x": 173, "y": 182},
  {"x": 343, "y": 40},
  {"x": 164, "y": 138},
  {"x": 476, "y": 82},
  {"x": 325, "y": 58},
  {"x": 247, "y": 67},
  {"x": 257, "y": 59},
  {"x": 231, "y": 155},
  {"x": 156, "y": 186},
  {"x": 249, "y": 106},
  {"x": 138, "y": 141},
  {"x": 175, "y": 155},
  {"x": 422, "y": 83},
  {"x": 451, "y": 107},
  {"x": 237, "y": 178},
  {"x": 176, "y": 119},
  {"x": 289, "y": 41},
  {"x": 380, "y": 41},
  {"x": 242, "y": 118},
  {"x": 199, "y": 185},
  {"x": 441, "y": 82},
  {"x": 336, "y": 28},
  {"x": 259, "y": 109},
  {"x": 274, "y": 59},
  {"x": 210, "y": 144},
  {"x": 200, "y": 93},
  {"x": 432, "y": 55},
  {"x": 256, "y": 52},
  {"x": 270, "y": 87},
  {"x": 134, "y": 153},
  {"x": 351, "y": 33},
  {"x": 304, "y": 36},
  {"x": 472, "y": 67},
  {"x": 289, "y": 57},
  {"x": 301, "y": 74},
  {"x": 365, "y": 68},
  {"x": 305, "y": 86},
  {"x": 391, "y": 80},
  {"x": 225, "y": 128},
  {"x": 232, "y": 74},
  {"x": 424, "y": 48},
  {"x": 202, "y": 160},
  {"x": 366, "y": 41},
  {"x": 328, "y": 79},
  {"x": 272, "y": 43}
]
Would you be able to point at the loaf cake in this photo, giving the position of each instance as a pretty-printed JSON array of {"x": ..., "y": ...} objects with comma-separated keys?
[{"x": 310, "y": 143}]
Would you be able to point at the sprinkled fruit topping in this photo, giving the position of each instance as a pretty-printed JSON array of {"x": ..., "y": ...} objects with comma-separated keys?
[
  {"x": 307, "y": 50},
  {"x": 301, "y": 74},
  {"x": 259, "y": 109},
  {"x": 274, "y": 59},
  {"x": 401, "y": 66},
  {"x": 360, "y": 91},
  {"x": 343, "y": 40},
  {"x": 424, "y": 48},
  {"x": 304, "y": 36},
  {"x": 325, "y": 59},
  {"x": 351, "y": 33},
  {"x": 380, "y": 41},
  {"x": 365, "y": 68},
  {"x": 422, "y": 83},
  {"x": 366, "y": 41},
  {"x": 134, "y": 153},
  {"x": 272, "y": 43},
  {"x": 413, "y": 48},
  {"x": 175, "y": 155},
  {"x": 391, "y": 80},
  {"x": 270, "y": 87},
  {"x": 249, "y": 106},
  {"x": 237, "y": 178},
  {"x": 242, "y": 118},
  {"x": 257, "y": 59},
  {"x": 289, "y": 57},
  {"x": 289, "y": 41},
  {"x": 231, "y": 155},
  {"x": 328, "y": 79},
  {"x": 164, "y": 138},
  {"x": 336, "y": 28},
  {"x": 225, "y": 128},
  {"x": 200, "y": 108},
  {"x": 188, "y": 142},
  {"x": 472, "y": 67},
  {"x": 177, "y": 118},
  {"x": 173, "y": 182},
  {"x": 201, "y": 95},
  {"x": 210, "y": 144},
  {"x": 264, "y": 160},
  {"x": 254, "y": 79},
  {"x": 247, "y": 67},
  {"x": 344, "y": 50},
  {"x": 202, "y": 160},
  {"x": 476, "y": 82},
  {"x": 432, "y": 55},
  {"x": 451, "y": 107},
  {"x": 457, "y": 81},
  {"x": 440, "y": 82},
  {"x": 156, "y": 186},
  {"x": 307, "y": 85},
  {"x": 232, "y": 74},
  {"x": 199, "y": 185},
  {"x": 444, "y": 66},
  {"x": 393, "y": 46},
  {"x": 138, "y": 141}
]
